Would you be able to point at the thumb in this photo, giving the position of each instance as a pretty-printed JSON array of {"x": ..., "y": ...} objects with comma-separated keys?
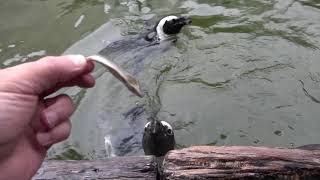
[{"x": 47, "y": 73}]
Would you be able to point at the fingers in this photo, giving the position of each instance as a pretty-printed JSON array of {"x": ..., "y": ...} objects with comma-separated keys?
[
  {"x": 55, "y": 117},
  {"x": 84, "y": 81},
  {"x": 47, "y": 73},
  {"x": 55, "y": 135},
  {"x": 57, "y": 110}
]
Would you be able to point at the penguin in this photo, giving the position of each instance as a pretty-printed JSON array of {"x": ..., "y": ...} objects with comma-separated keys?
[
  {"x": 158, "y": 138},
  {"x": 167, "y": 27},
  {"x": 130, "y": 53},
  {"x": 133, "y": 50}
]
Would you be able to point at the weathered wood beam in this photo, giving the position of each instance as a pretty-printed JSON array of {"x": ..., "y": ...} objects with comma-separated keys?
[
  {"x": 199, "y": 162},
  {"x": 237, "y": 162},
  {"x": 133, "y": 167}
]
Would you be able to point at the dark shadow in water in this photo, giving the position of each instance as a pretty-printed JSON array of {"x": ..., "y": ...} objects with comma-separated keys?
[
  {"x": 308, "y": 94},
  {"x": 214, "y": 85},
  {"x": 267, "y": 69},
  {"x": 257, "y": 29}
]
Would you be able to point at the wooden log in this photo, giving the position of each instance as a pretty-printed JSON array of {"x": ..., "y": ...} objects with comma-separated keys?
[
  {"x": 133, "y": 167},
  {"x": 207, "y": 162}
]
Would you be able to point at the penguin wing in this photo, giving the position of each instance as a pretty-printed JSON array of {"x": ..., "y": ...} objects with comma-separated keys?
[{"x": 119, "y": 47}]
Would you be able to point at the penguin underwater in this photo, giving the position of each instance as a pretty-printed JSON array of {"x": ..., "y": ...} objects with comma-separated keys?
[{"x": 158, "y": 136}]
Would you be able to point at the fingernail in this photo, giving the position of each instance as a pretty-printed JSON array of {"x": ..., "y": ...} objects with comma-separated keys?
[
  {"x": 78, "y": 60},
  {"x": 50, "y": 119},
  {"x": 44, "y": 139}
]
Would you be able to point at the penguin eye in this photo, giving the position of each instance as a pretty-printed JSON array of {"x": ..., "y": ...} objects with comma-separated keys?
[{"x": 169, "y": 131}]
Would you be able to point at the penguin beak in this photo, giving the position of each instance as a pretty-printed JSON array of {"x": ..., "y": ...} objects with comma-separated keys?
[{"x": 185, "y": 20}]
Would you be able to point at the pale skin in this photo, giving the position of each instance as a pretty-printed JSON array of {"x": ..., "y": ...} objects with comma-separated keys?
[{"x": 29, "y": 122}]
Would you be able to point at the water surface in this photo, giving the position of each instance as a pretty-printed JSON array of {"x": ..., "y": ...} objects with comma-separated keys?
[{"x": 246, "y": 72}]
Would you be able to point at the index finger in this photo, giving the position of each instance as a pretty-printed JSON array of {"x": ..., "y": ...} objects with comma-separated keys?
[{"x": 47, "y": 73}]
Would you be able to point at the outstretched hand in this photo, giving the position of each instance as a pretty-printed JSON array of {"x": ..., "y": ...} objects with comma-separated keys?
[{"x": 30, "y": 123}]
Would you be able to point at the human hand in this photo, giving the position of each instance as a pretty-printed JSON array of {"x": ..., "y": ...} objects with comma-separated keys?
[{"x": 30, "y": 123}]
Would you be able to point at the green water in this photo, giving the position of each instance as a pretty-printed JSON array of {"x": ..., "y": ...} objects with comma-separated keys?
[{"x": 246, "y": 72}]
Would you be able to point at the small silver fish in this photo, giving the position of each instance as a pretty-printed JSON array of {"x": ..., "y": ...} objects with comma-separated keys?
[{"x": 128, "y": 80}]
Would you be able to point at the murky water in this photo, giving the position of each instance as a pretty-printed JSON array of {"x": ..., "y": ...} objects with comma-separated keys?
[{"x": 246, "y": 72}]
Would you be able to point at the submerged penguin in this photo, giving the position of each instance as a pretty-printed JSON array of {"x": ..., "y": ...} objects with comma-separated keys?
[
  {"x": 158, "y": 138},
  {"x": 131, "y": 52}
]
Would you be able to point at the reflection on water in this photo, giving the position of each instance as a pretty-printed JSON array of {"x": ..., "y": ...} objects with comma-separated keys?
[
  {"x": 244, "y": 73},
  {"x": 68, "y": 7}
]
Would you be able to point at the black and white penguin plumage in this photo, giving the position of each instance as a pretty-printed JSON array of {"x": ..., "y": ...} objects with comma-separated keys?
[
  {"x": 130, "y": 53},
  {"x": 167, "y": 28},
  {"x": 158, "y": 138},
  {"x": 137, "y": 48}
]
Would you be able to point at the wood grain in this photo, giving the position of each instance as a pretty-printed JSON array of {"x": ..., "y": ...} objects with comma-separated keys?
[
  {"x": 239, "y": 162},
  {"x": 134, "y": 167}
]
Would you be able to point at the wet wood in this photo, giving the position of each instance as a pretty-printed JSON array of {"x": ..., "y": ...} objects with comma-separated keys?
[
  {"x": 141, "y": 167},
  {"x": 199, "y": 162},
  {"x": 207, "y": 162}
]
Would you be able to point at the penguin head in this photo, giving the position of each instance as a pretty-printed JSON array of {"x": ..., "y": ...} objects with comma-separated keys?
[
  {"x": 171, "y": 25},
  {"x": 158, "y": 138},
  {"x": 158, "y": 127}
]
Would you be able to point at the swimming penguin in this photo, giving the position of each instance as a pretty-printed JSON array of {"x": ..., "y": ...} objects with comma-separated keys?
[
  {"x": 167, "y": 27},
  {"x": 158, "y": 138},
  {"x": 130, "y": 52}
]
